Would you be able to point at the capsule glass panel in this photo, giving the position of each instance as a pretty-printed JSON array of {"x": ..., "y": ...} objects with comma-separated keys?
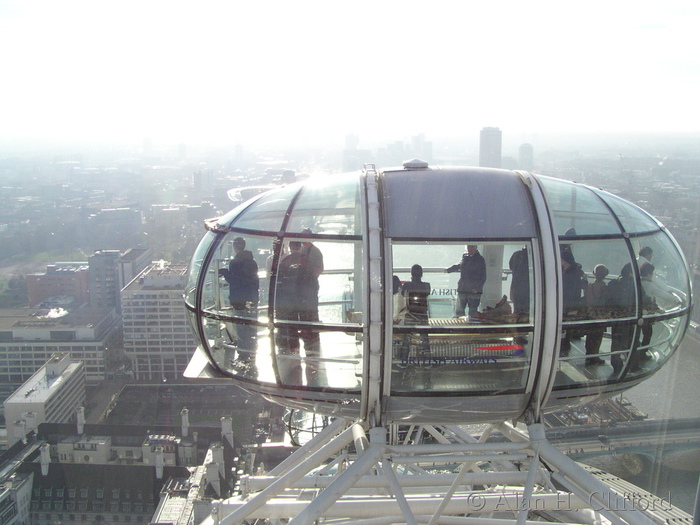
[
  {"x": 238, "y": 276},
  {"x": 329, "y": 206},
  {"x": 196, "y": 266},
  {"x": 633, "y": 218},
  {"x": 668, "y": 285},
  {"x": 318, "y": 312},
  {"x": 267, "y": 213},
  {"x": 461, "y": 317},
  {"x": 232, "y": 356},
  {"x": 619, "y": 325},
  {"x": 577, "y": 210},
  {"x": 658, "y": 338},
  {"x": 599, "y": 310}
]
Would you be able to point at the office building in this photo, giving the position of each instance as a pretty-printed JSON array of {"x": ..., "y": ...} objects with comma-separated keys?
[
  {"x": 131, "y": 263},
  {"x": 104, "y": 279},
  {"x": 490, "y": 148},
  {"x": 526, "y": 157},
  {"x": 110, "y": 271},
  {"x": 51, "y": 395},
  {"x": 62, "y": 279},
  {"x": 29, "y": 337},
  {"x": 421, "y": 148},
  {"x": 157, "y": 335}
]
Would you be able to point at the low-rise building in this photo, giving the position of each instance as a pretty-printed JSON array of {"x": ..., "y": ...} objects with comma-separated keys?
[
  {"x": 29, "y": 337},
  {"x": 52, "y": 394},
  {"x": 60, "y": 279},
  {"x": 15, "y": 497},
  {"x": 128, "y": 474}
]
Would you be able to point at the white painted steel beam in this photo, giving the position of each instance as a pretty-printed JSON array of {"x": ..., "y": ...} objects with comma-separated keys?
[{"x": 494, "y": 480}]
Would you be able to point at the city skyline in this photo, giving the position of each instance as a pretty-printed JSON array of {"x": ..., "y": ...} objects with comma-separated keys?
[
  {"x": 299, "y": 74},
  {"x": 51, "y": 188}
]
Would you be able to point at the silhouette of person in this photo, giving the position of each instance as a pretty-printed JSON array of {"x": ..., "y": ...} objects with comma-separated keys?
[
  {"x": 296, "y": 299},
  {"x": 570, "y": 232},
  {"x": 622, "y": 299},
  {"x": 398, "y": 299},
  {"x": 572, "y": 282},
  {"x": 472, "y": 276},
  {"x": 520, "y": 283},
  {"x": 415, "y": 312},
  {"x": 314, "y": 264},
  {"x": 242, "y": 278},
  {"x": 645, "y": 255},
  {"x": 597, "y": 301},
  {"x": 651, "y": 291}
]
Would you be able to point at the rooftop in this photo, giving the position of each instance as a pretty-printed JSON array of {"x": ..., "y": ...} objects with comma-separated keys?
[
  {"x": 64, "y": 267},
  {"x": 45, "y": 381},
  {"x": 51, "y": 318},
  {"x": 133, "y": 254},
  {"x": 160, "y": 275}
]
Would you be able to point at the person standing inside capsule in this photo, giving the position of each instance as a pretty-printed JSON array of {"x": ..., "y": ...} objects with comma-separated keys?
[
  {"x": 243, "y": 285},
  {"x": 472, "y": 276},
  {"x": 652, "y": 292},
  {"x": 415, "y": 312},
  {"x": 572, "y": 285},
  {"x": 312, "y": 259},
  {"x": 288, "y": 298},
  {"x": 296, "y": 299},
  {"x": 622, "y": 300},
  {"x": 520, "y": 283},
  {"x": 597, "y": 301}
]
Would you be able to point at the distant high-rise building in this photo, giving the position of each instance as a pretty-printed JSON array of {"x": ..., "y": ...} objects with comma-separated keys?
[
  {"x": 353, "y": 157},
  {"x": 104, "y": 279},
  {"x": 526, "y": 157},
  {"x": 490, "y": 148},
  {"x": 131, "y": 263},
  {"x": 421, "y": 148},
  {"x": 110, "y": 271},
  {"x": 157, "y": 335},
  {"x": 393, "y": 154}
]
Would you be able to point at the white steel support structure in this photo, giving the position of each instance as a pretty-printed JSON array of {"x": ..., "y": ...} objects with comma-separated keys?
[{"x": 344, "y": 476}]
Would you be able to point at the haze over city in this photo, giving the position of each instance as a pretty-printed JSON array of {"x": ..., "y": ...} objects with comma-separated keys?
[{"x": 125, "y": 126}]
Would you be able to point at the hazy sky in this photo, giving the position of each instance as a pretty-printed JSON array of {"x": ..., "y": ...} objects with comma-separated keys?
[{"x": 264, "y": 71}]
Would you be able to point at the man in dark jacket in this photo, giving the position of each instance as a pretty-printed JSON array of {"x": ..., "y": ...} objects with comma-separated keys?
[
  {"x": 296, "y": 299},
  {"x": 472, "y": 276},
  {"x": 572, "y": 281},
  {"x": 520, "y": 283},
  {"x": 243, "y": 283}
]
